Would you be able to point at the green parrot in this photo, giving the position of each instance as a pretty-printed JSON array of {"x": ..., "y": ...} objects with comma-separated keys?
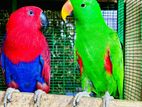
[{"x": 98, "y": 50}]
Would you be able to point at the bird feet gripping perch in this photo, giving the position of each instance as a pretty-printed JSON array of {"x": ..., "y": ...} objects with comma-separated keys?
[
  {"x": 106, "y": 99},
  {"x": 8, "y": 95},
  {"x": 78, "y": 96},
  {"x": 37, "y": 96}
]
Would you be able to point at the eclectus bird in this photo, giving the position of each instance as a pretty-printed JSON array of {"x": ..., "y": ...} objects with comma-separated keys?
[
  {"x": 98, "y": 51},
  {"x": 25, "y": 56}
]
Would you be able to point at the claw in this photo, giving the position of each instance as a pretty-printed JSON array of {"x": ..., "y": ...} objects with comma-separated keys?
[
  {"x": 37, "y": 96},
  {"x": 8, "y": 95},
  {"x": 106, "y": 99},
  {"x": 78, "y": 96}
]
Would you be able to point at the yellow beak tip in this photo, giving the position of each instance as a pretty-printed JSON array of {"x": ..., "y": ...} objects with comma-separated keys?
[
  {"x": 66, "y": 10},
  {"x": 64, "y": 15}
]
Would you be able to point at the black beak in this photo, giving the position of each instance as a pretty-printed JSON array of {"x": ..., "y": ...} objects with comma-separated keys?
[{"x": 44, "y": 20}]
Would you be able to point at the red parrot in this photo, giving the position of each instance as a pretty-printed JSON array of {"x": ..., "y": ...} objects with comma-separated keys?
[{"x": 25, "y": 56}]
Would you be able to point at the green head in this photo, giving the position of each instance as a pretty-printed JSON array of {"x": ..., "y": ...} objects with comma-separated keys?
[{"x": 84, "y": 10}]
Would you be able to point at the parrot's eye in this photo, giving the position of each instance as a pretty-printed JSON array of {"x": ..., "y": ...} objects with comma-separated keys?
[
  {"x": 83, "y": 5},
  {"x": 30, "y": 12}
]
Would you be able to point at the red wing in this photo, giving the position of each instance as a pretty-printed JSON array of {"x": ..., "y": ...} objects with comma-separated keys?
[
  {"x": 108, "y": 63},
  {"x": 46, "y": 67},
  {"x": 79, "y": 60}
]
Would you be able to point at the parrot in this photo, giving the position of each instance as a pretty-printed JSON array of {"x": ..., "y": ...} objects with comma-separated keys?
[
  {"x": 98, "y": 52},
  {"x": 25, "y": 54}
]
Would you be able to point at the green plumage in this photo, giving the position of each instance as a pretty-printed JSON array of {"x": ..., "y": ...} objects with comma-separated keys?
[{"x": 93, "y": 40}]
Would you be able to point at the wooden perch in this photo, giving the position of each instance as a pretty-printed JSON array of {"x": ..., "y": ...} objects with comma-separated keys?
[{"x": 50, "y": 100}]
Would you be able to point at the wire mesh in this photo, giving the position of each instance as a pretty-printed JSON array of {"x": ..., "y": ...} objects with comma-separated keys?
[
  {"x": 133, "y": 50},
  {"x": 3, "y": 19},
  {"x": 65, "y": 77},
  {"x": 110, "y": 17}
]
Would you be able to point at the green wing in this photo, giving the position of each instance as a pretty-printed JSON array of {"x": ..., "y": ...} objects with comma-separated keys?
[{"x": 116, "y": 55}]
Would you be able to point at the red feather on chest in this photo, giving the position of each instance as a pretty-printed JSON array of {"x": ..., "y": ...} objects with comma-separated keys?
[
  {"x": 24, "y": 40},
  {"x": 24, "y": 46}
]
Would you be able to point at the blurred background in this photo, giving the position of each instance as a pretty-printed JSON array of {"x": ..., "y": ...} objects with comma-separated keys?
[{"x": 123, "y": 16}]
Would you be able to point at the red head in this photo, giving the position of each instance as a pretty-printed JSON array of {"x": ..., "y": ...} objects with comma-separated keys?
[{"x": 24, "y": 40}]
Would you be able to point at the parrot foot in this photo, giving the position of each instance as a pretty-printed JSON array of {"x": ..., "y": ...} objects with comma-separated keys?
[
  {"x": 8, "y": 95},
  {"x": 37, "y": 96},
  {"x": 106, "y": 99},
  {"x": 78, "y": 96}
]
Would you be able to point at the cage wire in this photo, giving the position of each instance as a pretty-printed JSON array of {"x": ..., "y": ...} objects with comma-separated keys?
[
  {"x": 133, "y": 50},
  {"x": 65, "y": 77},
  {"x": 64, "y": 71},
  {"x": 4, "y": 14}
]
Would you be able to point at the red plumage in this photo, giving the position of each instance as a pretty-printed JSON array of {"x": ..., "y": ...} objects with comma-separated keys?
[
  {"x": 24, "y": 42},
  {"x": 46, "y": 70},
  {"x": 108, "y": 63},
  {"x": 79, "y": 60},
  {"x": 13, "y": 84},
  {"x": 24, "y": 39}
]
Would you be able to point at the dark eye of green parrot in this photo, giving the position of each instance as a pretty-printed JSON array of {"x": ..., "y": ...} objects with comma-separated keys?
[
  {"x": 30, "y": 12},
  {"x": 83, "y": 5}
]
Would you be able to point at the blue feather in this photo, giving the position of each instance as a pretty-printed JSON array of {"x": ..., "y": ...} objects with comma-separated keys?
[{"x": 26, "y": 75}]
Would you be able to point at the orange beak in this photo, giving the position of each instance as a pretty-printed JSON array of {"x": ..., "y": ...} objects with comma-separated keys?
[{"x": 66, "y": 10}]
